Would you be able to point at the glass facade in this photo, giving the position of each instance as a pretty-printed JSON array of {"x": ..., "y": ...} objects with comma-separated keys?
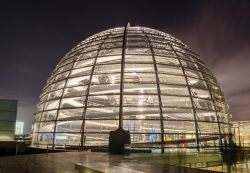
[
  {"x": 158, "y": 88},
  {"x": 241, "y": 133}
]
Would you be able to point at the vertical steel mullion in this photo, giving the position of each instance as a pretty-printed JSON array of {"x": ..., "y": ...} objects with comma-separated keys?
[
  {"x": 191, "y": 97},
  {"x": 60, "y": 100},
  {"x": 216, "y": 113},
  {"x": 39, "y": 122},
  {"x": 159, "y": 92},
  {"x": 239, "y": 134},
  {"x": 88, "y": 89},
  {"x": 124, "y": 46}
]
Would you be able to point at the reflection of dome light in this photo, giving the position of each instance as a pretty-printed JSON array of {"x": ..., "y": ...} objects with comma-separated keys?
[
  {"x": 112, "y": 79},
  {"x": 150, "y": 80},
  {"x": 141, "y": 99}
]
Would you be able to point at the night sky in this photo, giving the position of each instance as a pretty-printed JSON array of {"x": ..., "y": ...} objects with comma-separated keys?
[{"x": 35, "y": 36}]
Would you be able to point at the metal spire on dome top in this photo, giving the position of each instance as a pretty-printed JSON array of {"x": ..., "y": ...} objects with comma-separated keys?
[{"x": 128, "y": 25}]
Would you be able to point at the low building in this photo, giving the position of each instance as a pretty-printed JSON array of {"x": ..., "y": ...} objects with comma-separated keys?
[{"x": 8, "y": 111}]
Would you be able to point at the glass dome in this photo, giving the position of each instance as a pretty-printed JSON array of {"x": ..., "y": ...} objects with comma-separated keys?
[{"x": 137, "y": 78}]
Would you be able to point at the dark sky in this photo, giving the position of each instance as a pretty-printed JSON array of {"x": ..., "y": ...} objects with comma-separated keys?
[{"x": 34, "y": 37}]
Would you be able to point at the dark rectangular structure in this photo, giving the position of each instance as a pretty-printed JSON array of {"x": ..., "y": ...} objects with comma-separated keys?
[
  {"x": 117, "y": 140},
  {"x": 8, "y": 111}
]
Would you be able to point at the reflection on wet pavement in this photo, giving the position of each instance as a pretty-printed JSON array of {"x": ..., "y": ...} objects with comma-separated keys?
[
  {"x": 102, "y": 167},
  {"x": 72, "y": 162},
  {"x": 227, "y": 161}
]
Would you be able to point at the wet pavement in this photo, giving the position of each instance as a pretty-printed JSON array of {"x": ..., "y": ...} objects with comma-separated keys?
[{"x": 79, "y": 162}]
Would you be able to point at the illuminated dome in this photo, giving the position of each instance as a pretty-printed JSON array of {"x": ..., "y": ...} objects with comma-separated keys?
[{"x": 159, "y": 89}]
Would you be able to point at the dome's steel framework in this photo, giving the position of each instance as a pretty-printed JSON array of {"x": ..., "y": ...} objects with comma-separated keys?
[{"x": 140, "y": 79}]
